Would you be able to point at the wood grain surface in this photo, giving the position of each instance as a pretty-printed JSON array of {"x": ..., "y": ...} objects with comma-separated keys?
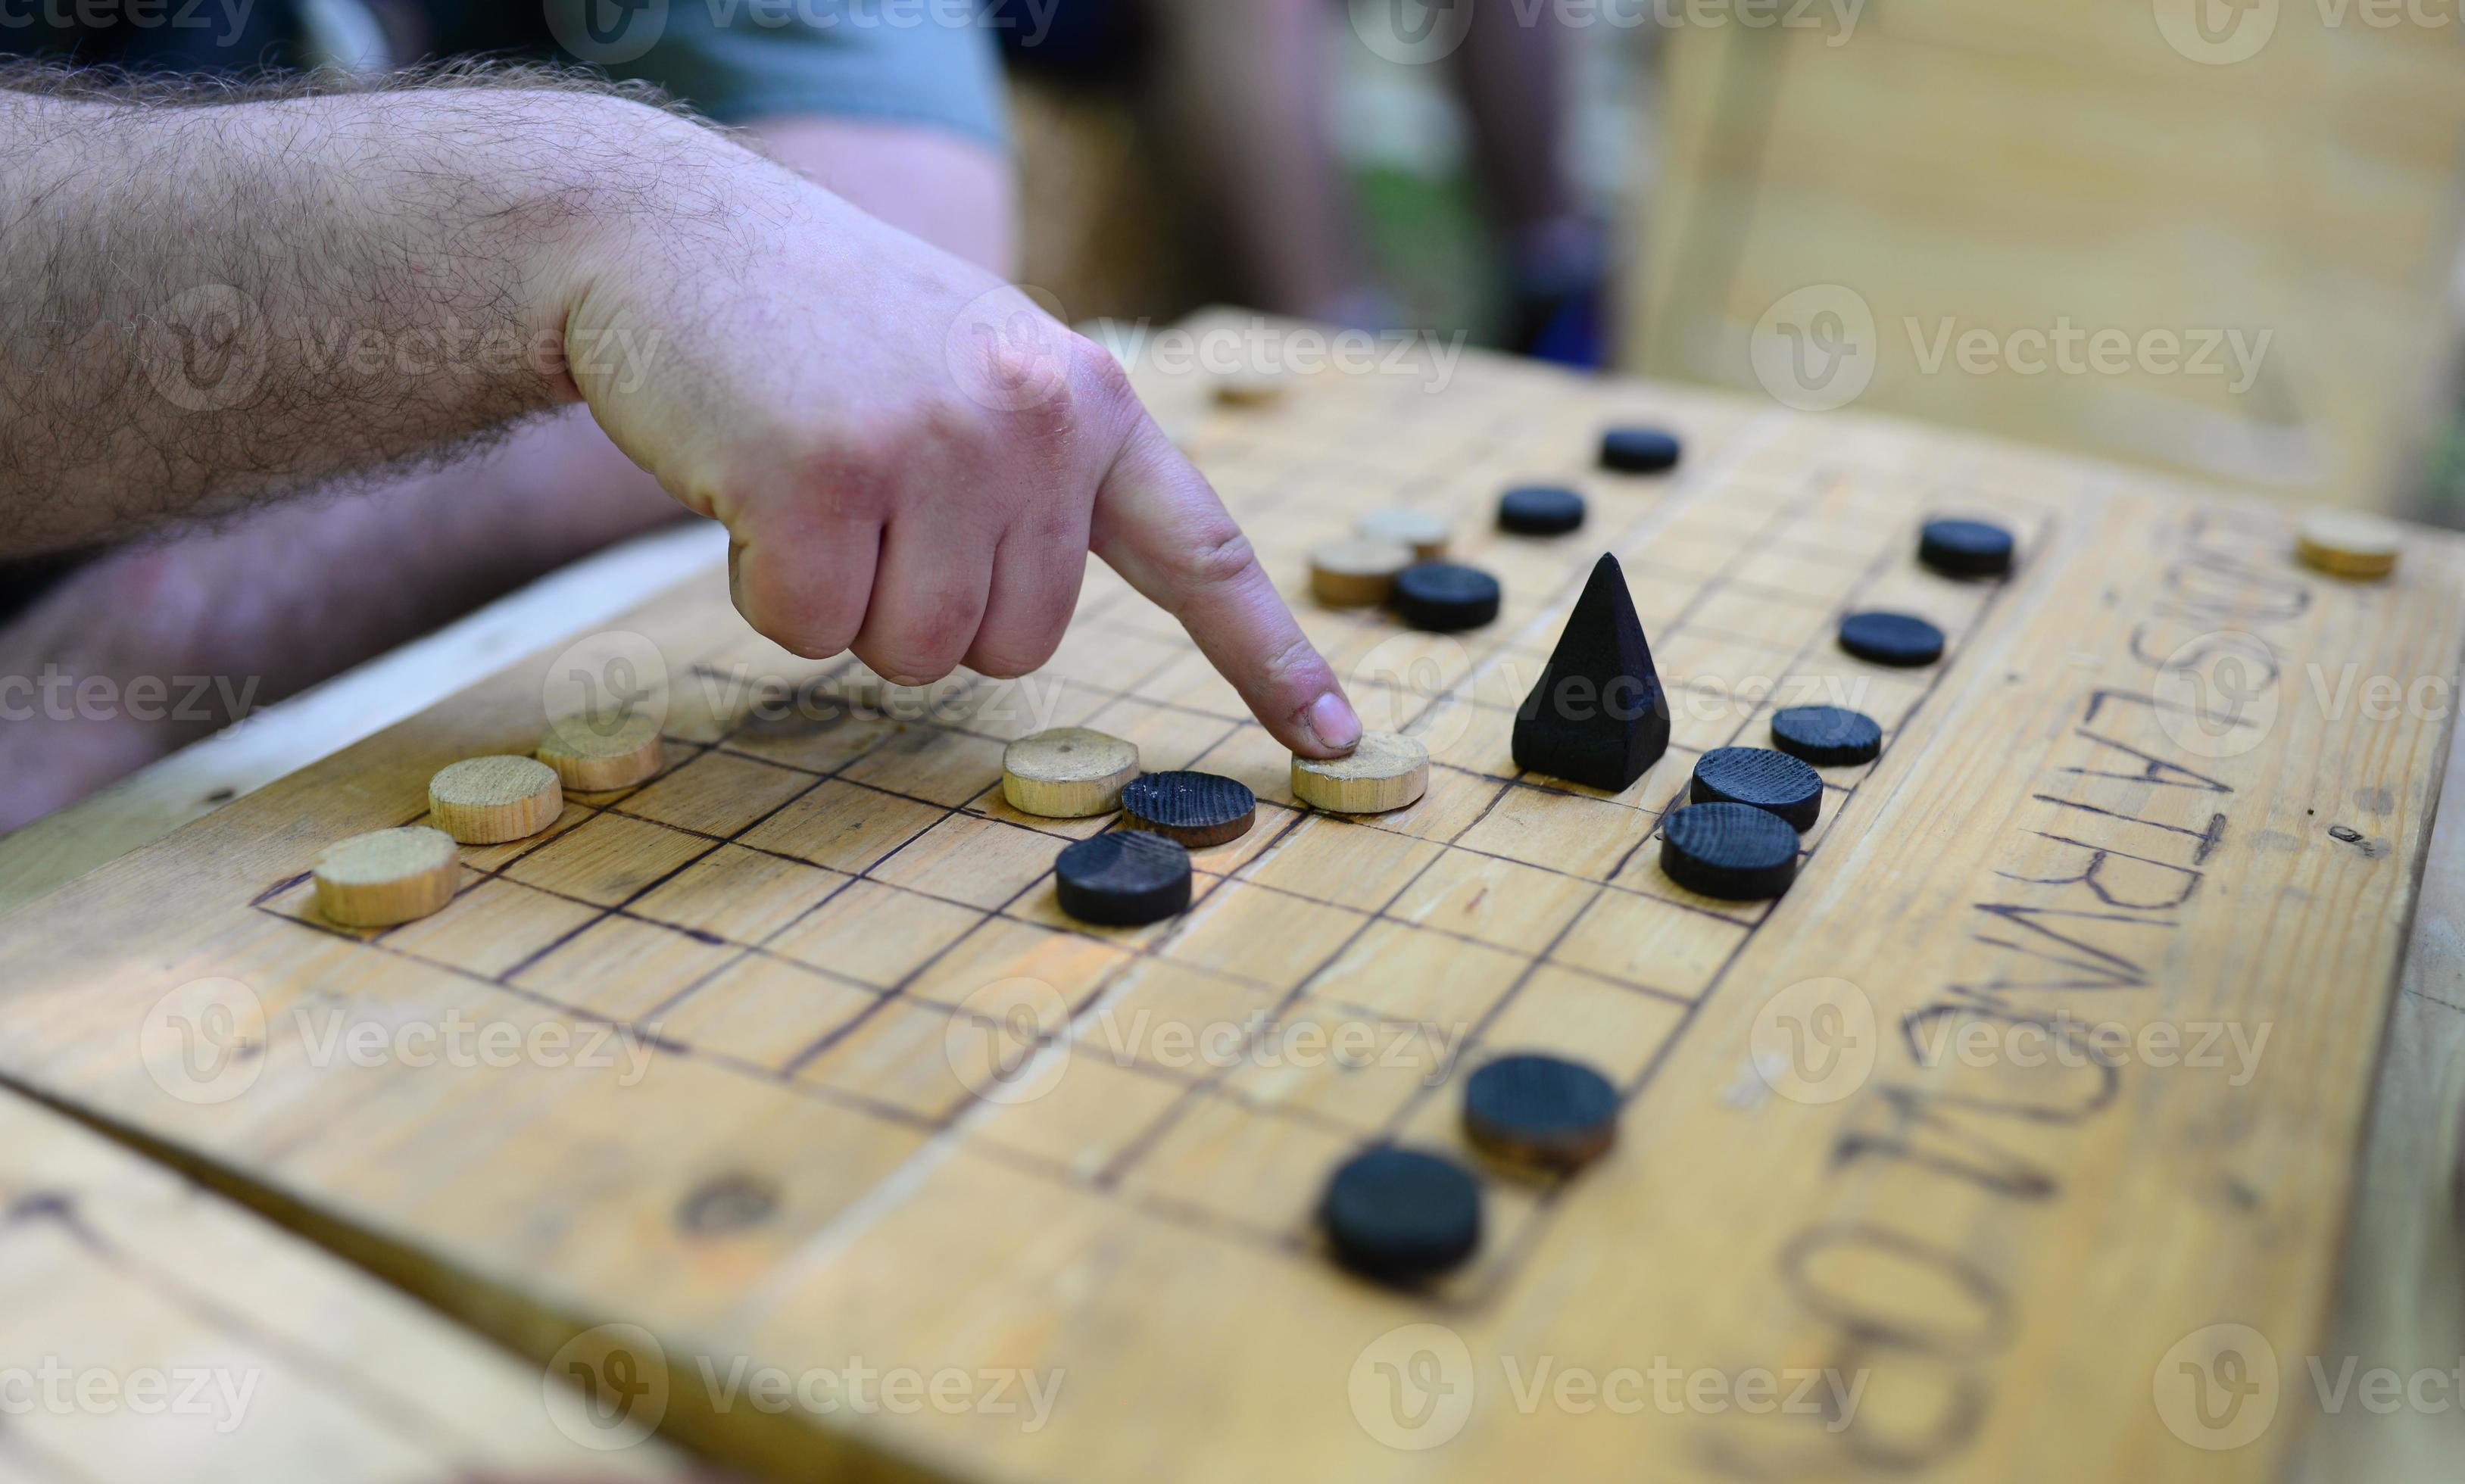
[
  {"x": 153, "y": 1329},
  {"x": 807, "y": 1080}
]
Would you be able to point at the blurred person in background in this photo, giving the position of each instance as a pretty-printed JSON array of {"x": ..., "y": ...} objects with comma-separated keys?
[{"x": 1249, "y": 92}]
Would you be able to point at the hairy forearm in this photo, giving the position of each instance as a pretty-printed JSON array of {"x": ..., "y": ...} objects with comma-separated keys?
[{"x": 202, "y": 307}]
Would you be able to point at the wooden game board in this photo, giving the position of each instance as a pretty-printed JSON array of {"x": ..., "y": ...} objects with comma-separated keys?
[{"x": 897, "y": 1110}]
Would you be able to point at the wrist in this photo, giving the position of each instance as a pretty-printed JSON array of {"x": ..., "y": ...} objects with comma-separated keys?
[{"x": 642, "y": 191}]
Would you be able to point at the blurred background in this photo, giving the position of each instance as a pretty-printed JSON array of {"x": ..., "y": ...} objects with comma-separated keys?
[{"x": 2214, "y": 236}]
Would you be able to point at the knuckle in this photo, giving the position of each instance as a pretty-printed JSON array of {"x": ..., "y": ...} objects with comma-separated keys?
[
  {"x": 1298, "y": 658},
  {"x": 844, "y": 478},
  {"x": 1104, "y": 382},
  {"x": 810, "y": 618},
  {"x": 921, "y": 650},
  {"x": 1218, "y": 555},
  {"x": 1007, "y": 656}
]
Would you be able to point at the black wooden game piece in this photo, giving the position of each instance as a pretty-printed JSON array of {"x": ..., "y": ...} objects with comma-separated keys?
[
  {"x": 1639, "y": 450},
  {"x": 1599, "y": 716},
  {"x": 1771, "y": 780},
  {"x": 1122, "y": 878},
  {"x": 1966, "y": 549},
  {"x": 1735, "y": 851},
  {"x": 1898, "y": 639},
  {"x": 1444, "y": 598},
  {"x": 1827, "y": 736},
  {"x": 1540, "y": 510},
  {"x": 1400, "y": 1216},
  {"x": 1200, "y": 810},
  {"x": 1539, "y": 1110}
]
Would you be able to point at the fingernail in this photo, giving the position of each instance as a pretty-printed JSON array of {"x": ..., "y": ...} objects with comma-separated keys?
[{"x": 1331, "y": 721}]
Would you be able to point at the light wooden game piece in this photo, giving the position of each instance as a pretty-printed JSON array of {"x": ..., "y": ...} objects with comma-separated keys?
[
  {"x": 590, "y": 761},
  {"x": 1427, "y": 534},
  {"x": 488, "y": 801},
  {"x": 2348, "y": 543},
  {"x": 1385, "y": 772},
  {"x": 1069, "y": 773},
  {"x": 388, "y": 876},
  {"x": 1357, "y": 573},
  {"x": 1252, "y": 389}
]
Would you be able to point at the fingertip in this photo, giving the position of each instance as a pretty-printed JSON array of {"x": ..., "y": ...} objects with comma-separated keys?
[{"x": 1330, "y": 726}]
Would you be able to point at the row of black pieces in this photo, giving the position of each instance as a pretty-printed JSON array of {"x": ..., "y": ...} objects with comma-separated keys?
[
  {"x": 1447, "y": 598},
  {"x": 1554, "y": 510},
  {"x": 1405, "y": 1215},
  {"x": 1719, "y": 846},
  {"x": 1133, "y": 876}
]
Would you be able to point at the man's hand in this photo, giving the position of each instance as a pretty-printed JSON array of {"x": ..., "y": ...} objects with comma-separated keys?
[
  {"x": 912, "y": 461},
  {"x": 912, "y": 458}
]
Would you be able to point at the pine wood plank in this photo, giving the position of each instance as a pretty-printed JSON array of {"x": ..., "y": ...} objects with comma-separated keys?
[
  {"x": 2096, "y": 178},
  {"x": 152, "y": 1327}
]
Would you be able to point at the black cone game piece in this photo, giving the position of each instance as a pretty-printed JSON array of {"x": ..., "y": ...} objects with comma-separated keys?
[
  {"x": 1639, "y": 450},
  {"x": 1540, "y": 510},
  {"x": 1966, "y": 549},
  {"x": 1770, "y": 781},
  {"x": 1441, "y": 597},
  {"x": 1541, "y": 1111},
  {"x": 1735, "y": 851},
  {"x": 1599, "y": 716},
  {"x": 1900, "y": 640},
  {"x": 1827, "y": 736},
  {"x": 1400, "y": 1216},
  {"x": 1198, "y": 811},
  {"x": 1123, "y": 878}
]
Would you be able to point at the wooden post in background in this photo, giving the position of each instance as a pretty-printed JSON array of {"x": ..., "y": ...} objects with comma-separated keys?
[{"x": 2016, "y": 169}]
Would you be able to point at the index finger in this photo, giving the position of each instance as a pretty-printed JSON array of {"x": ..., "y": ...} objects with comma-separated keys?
[{"x": 1159, "y": 524}]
